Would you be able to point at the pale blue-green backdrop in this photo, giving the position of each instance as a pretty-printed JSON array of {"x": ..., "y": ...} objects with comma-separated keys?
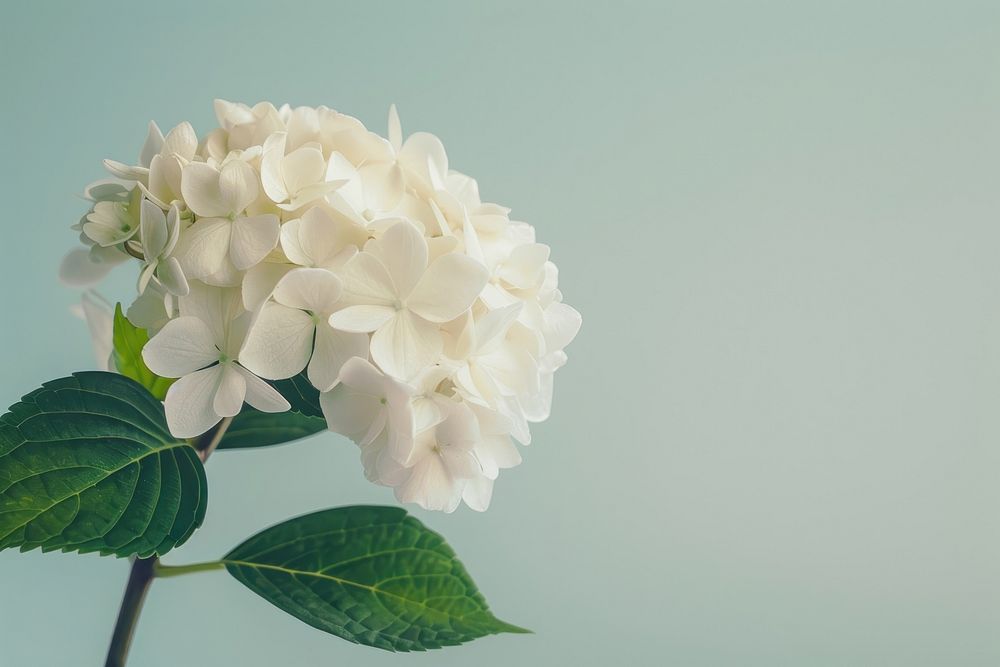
[{"x": 777, "y": 440}]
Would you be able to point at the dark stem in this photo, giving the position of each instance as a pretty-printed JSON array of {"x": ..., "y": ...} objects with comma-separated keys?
[
  {"x": 143, "y": 569},
  {"x": 128, "y": 616},
  {"x": 207, "y": 443}
]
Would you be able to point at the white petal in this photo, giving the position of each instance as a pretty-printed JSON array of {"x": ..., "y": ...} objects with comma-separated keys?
[
  {"x": 170, "y": 275},
  {"x": 493, "y": 326},
  {"x": 361, "y": 319},
  {"x": 524, "y": 268},
  {"x": 270, "y": 167},
  {"x": 405, "y": 345},
  {"x": 316, "y": 290},
  {"x": 201, "y": 192},
  {"x": 351, "y": 413},
  {"x": 382, "y": 184},
  {"x": 206, "y": 246},
  {"x": 149, "y": 311},
  {"x": 259, "y": 282},
  {"x": 153, "y": 225},
  {"x": 366, "y": 281},
  {"x": 291, "y": 242},
  {"x": 145, "y": 276},
  {"x": 189, "y": 403},
  {"x": 430, "y": 486},
  {"x": 327, "y": 234},
  {"x": 238, "y": 186},
  {"x": 279, "y": 342},
  {"x": 252, "y": 239},
  {"x": 340, "y": 168},
  {"x": 332, "y": 350},
  {"x": 403, "y": 251},
  {"x": 173, "y": 229},
  {"x": 395, "y": 134},
  {"x": 126, "y": 172},
  {"x": 302, "y": 167},
  {"x": 181, "y": 140},
  {"x": 183, "y": 346},
  {"x": 478, "y": 492},
  {"x": 213, "y": 306},
  {"x": 358, "y": 373},
  {"x": 512, "y": 368},
  {"x": 152, "y": 146},
  {"x": 261, "y": 395},
  {"x": 427, "y": 413},
  {"x": 422, "y": 154},
  {"x": 448, "y": 287},
  {"x": 232, "y": 389},
  {"x": 562, "y": 323}
]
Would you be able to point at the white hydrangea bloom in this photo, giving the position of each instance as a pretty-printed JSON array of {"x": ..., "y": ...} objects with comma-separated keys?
[{"x": 295, "y": 240}]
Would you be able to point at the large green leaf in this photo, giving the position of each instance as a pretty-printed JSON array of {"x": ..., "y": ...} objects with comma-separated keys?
[
  {"x": 372, "y": 575},
  {"x": 252, "y": 428},
  {"x": 128, "y": 343},
  {"x": 87, "y": 464}
]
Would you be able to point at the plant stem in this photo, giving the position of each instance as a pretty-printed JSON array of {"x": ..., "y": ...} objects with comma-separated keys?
[
  {"x": 160, "y": 570},
  {"x": 128, "y": 615},
  {"x": 207, "y": 443},
  {"x": 145, "y": 569}
]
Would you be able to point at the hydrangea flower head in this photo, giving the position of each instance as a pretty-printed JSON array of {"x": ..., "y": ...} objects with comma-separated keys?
[{"x": 295, "y": 240}]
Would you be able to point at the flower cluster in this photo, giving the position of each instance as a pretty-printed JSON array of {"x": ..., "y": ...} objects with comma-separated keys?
[{"x": 294, "y": 240}]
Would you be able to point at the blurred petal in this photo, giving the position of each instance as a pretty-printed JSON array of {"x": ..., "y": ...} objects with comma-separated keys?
[{"x": 81, "y": 268}]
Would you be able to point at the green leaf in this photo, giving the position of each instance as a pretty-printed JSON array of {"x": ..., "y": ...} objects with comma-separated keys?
[
  {"x": 372, "y": 575},
  {"x": 87, "y": 464},
  {"x": 128, "y": 343},
  {"x": 252, "y": 428}
]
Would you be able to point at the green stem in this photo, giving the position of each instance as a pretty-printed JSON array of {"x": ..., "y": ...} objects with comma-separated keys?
[
  {"x": 161, "y": 571},
  {"x": 145, "y": 569}
]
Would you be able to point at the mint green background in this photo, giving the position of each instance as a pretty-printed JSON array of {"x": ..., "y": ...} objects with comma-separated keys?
[{"x": 777, "y": 441}]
